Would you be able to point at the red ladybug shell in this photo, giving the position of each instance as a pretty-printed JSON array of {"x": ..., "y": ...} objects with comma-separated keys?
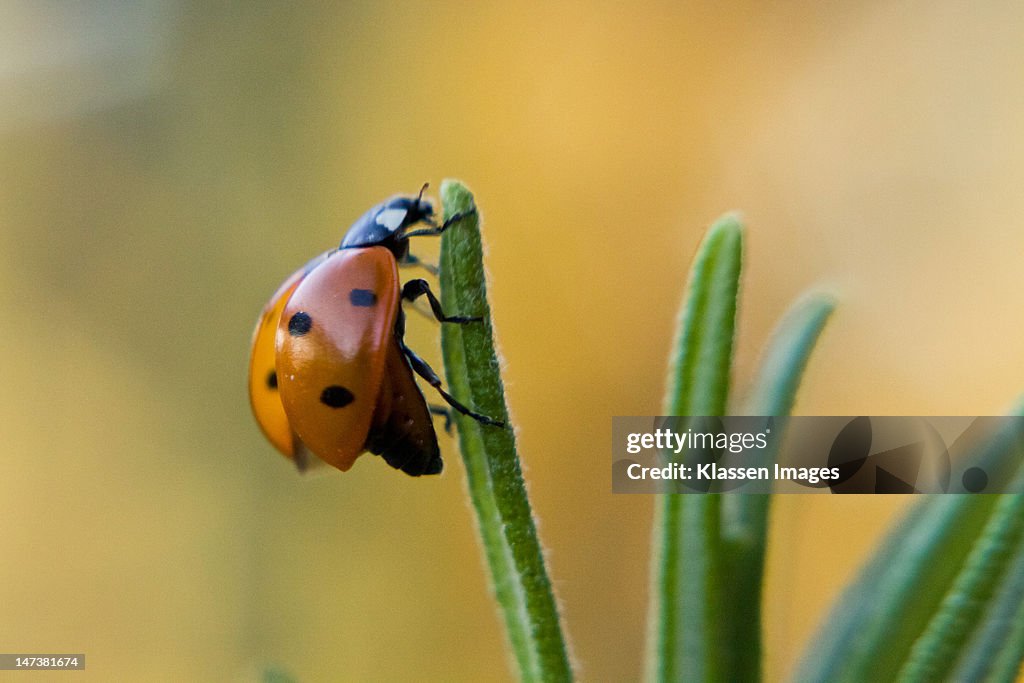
[
  {"x": 263, "y": 394},
  {"x": 343, "y": 381}
]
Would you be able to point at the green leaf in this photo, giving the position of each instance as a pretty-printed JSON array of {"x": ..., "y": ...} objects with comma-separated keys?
[
  {"x": 788, "y": 351},
  {"x": 1007, "y": 665},
  {"x": 745, "y": 516},
  {"x": 997, "y": 646},
  {"x": 873, "y": 627},
  {"x": 493, "y": 472},
  {"x": 688, "y": 641},
  {"x": 936, "y": 651},
  {"x": 698, "y": 381}
]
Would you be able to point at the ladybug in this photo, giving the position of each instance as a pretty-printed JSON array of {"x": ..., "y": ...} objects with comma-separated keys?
[{"x": 330, "y": 374}]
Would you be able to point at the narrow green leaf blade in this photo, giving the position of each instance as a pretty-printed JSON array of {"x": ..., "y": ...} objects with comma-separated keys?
[
  {"x": 872, "y": 628},
  {"x": 745, "y": 517},
  {"x": 997, "y": 646},
  {"x": 494, "y": 476},
  {"x": 786, "y": 358},
  {"x": 1009, "y": 663},
  {"x": 698, "y": 382},
  {"x": 687, "y": 591},
  {"x": 937, "y": 650}
]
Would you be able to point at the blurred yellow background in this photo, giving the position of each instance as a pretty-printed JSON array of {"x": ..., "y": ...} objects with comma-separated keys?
[{"x": 165, "y": 165}]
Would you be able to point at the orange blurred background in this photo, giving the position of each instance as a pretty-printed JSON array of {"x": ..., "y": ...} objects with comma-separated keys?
[{"x": 165, "y": 165}]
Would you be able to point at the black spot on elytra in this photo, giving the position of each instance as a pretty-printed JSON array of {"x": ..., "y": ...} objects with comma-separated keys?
[
  {"x": 362, "y": 297},
  {"x": 299, "y": 324},
  {"x": 272, "y": 380},
  {"x": 336, "y": 396}
]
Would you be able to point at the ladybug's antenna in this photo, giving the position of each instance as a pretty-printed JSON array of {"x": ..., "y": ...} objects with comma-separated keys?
[{"x": 420, "y": 217}]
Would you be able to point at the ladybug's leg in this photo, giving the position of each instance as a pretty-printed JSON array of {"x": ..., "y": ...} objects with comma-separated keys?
[
  {"x": 413, "y": 260},
  {"x": 442, "y": 411},
  {"x": 455, "y": 218},
  {"x": 426, "y": 372},
  {"x": 414, "y": 289},
  {"x": 301, "y": 456},
  {"x": 435, "y": 229}
]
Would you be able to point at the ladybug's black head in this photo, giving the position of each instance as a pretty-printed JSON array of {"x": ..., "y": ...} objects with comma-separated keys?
[{"x": 385, "y": 224}]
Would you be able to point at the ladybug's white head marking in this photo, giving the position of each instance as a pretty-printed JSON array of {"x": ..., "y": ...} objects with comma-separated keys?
[{"x": 391, "y": 219}]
